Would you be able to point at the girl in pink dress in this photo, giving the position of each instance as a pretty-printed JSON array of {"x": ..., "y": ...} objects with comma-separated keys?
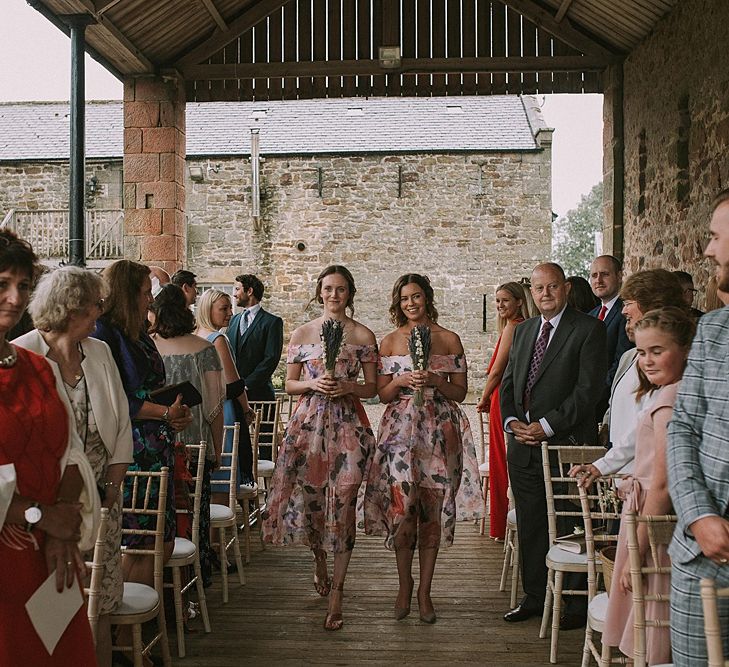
[
  {"x": 512, "y": 309},
  {"x": 328, "y": 443},
  {"x": 662, "y": 338},
  {"x": 424, "y": 475}
]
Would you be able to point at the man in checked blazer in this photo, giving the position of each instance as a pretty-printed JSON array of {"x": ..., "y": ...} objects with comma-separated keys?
[
  {"x": 559, "y": 408},
  {"x": 698, "y": 465},
  {"x": 256, "y": 338}
]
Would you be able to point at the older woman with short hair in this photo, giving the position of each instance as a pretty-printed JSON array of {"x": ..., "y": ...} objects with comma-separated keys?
[{"x": 65, "y": 306}]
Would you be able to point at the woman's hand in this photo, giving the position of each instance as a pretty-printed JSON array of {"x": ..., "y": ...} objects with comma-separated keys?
[
  {"x": 588, "y": 474},
  {"x": 111, "y": 493},
  {"x": 64, "y": 557},
  {"x": 626, "y": 584},
  {"x": 341, "y": 388},
  {"x": 179, "y": 415},
  {"x": 62, "y": 521},
  {"x": 484, "y": 405},
  {"x": 324, "y": 384},
  {"x": 424, "y": 379},
  {"x": 249, "y": 416}
]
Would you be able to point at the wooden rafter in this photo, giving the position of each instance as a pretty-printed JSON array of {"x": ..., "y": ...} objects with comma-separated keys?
[
  {"x": 409, "y": 66},
  {"x": 562, "y": 10},
  {"x": 563, "y": 30},
  {"x": 103, "y": 6},
  {"x": 213, "y": 11},
  {"x": 257, "y": 12}
]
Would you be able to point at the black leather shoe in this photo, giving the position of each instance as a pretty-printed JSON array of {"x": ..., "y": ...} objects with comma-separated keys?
[
  {"x": 521, "y": 613},
  {"x": 572, "y": 622}
]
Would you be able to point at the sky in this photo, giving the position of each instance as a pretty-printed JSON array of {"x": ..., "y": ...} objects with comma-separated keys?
[{"x": 44, "y": 73}]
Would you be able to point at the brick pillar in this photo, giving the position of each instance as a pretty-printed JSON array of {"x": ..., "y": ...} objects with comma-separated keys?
[{"x": 154, "y": 171}]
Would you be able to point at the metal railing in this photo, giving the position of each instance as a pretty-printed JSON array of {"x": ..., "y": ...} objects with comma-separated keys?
[{"x": 47, "y": 231}]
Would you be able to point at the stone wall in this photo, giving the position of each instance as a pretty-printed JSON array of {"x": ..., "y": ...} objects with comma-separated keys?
[
  {"x": 676, "y": 137},
  {"x": 468, "y": 221}
]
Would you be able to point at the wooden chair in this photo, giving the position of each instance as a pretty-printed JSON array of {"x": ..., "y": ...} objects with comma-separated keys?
[
  {"x": 710, "y": 595},
  {"x": 600, "y": 506},
  {"x": 187, "y": 552},
  {"x": 140, "y": 602},
  {"x": 93, "y": 592},
  {"x": 223, "y": 517},
  {"x": 659, "y": 530},
  {"x": 483, "y": 468},
  {"x": 249, "y": 492},
  {"x": 556, "y": 461},
  {"x": 271, "y": 418},
  {"x": 511, "y": 557}
]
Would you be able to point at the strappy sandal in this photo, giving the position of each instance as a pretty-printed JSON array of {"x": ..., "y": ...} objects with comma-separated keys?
[
  {"x": 321, "y": 587},
  {"x": 335, "y": 621}
]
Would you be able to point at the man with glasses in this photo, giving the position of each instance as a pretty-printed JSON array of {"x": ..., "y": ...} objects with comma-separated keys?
[{"x": 689, "y": 291}]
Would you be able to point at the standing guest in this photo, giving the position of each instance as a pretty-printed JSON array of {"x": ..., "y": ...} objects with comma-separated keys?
[
  {"x": 580, "y": 296},
  {"x": 185, "y": 280},
  {"x": 213, "y": 312},
  {"x": 256, "y": 337},
  {"x": 662, "y": 338},
  {"x": 159, "y": 277},
  {"x": 551, "y": 386},
  {"x": 123, "y": 327},
  {"x": 424, "y": 475},
  {"x": 698, "y": 466},
  {"x": 39, "y": 482},
  {"x": 65, "y": 306},
  {"x": 190, "y": 358},
  {"x": 511, "y": 307},
  {"x": 715, "y": 298},
  {"x": 689, "y": 291},
  {"x": 642, "y": 291},
  {"x": 606, "y": 278},
  {"x": 328, "y": 443}
]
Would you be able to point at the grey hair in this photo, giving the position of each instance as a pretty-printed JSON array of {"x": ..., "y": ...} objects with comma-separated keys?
[
  {"x": 204, "y": 308},
  {"x": 62, "y": 293}
]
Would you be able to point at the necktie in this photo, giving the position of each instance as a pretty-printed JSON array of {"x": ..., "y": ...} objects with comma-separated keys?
[
  {"x": 244, "y": 321},
  {"x": 540, "y": 347},
  {"x": 603, "y": 312}
]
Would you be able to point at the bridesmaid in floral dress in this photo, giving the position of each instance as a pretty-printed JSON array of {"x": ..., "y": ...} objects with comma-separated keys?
[
  {"x": 424, "y": 476},
  {"x": 328, "y": 443}
]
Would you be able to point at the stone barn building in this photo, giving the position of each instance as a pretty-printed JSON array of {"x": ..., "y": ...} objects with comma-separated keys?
[{"x": 458, "y": 189}]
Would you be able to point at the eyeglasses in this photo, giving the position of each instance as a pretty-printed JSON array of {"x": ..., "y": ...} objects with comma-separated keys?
[{"x": 691, "y": 290}]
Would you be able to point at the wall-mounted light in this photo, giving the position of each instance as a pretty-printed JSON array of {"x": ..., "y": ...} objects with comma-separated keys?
[
  {"x": 196, "y": 174},
  {"x": 389, "y": 57},
  {"x": 215, "y": 168}
]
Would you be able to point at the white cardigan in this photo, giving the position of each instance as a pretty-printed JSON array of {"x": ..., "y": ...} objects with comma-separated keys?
[{"x": 106, "y": 392}]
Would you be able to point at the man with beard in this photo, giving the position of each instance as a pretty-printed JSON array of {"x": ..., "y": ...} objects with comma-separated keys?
[
  {"x": 256, "y": 338},
  {"x": 698, "y": 465}
]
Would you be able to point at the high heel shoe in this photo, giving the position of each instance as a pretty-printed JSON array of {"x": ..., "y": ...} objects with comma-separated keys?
[
  {"x": 321, "y": 587},
  {"x": 335, "y": 621},
  {"x": 402, "y": 612},
  {"x": 429, "y": 616}
]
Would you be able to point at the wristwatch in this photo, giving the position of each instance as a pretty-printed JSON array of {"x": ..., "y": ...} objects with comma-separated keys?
[{"x": 32, "y": 516}]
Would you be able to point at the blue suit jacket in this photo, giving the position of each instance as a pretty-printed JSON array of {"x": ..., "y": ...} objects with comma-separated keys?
[{"x": 617, "y": 340}]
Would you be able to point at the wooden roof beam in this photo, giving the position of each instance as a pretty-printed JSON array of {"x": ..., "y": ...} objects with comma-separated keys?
[
  {"x": 221, "y": 38},
  {"x": 498, "y": 65},
  {"x": 562, "y": 10},
  {"x": 213, "y": 11},
  {"x": 563, "y": 31}
]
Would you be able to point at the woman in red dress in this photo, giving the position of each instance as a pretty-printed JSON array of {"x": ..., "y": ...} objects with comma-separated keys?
[
  {"x": 511, "y": 305},
  {"x": 39, "y": 518}
]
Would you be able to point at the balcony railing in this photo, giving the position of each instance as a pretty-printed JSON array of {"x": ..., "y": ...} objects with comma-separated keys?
[{"x": 47, "y": 231}]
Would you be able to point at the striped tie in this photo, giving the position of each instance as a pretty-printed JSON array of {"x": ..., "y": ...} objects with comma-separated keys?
[{"x": 540, "y": 347}]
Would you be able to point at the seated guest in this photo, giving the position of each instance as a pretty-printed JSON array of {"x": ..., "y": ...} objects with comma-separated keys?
[
  {"x": 581, "y": 297},
  {"x": 715, "y": 298},
  {"x": 185, "y": 280},
  {"x": 662, "y": 339},
  {"x": 190, "y": 358},
  {"x": 40, "y": 481},
  {"x": 64, "y": 307},
  {"x": 689, "y": 291}
]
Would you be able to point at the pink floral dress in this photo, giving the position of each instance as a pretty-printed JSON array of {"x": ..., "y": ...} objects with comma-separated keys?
[
  {"x": 324, "y": 458},
  {"x": 424, "y": 475}
]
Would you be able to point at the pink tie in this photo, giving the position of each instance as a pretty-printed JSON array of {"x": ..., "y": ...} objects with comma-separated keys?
[{"x": 603, "y": 311}]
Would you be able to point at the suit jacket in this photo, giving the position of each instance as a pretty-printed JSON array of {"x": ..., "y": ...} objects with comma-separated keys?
[
  {"x": 258, "y": 351},
  {"x": 617, "y": 340},
  {"x": 568, "y": 385},
  {"x": 698, "y": 435}
]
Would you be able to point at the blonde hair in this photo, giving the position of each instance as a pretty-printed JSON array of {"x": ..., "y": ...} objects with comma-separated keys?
[
  {"x": 204, "y": 308},
  {"x": 517, "y": 291}
]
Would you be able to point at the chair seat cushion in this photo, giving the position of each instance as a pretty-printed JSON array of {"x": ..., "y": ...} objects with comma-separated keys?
[
  {"x": 265, "y": 467},
  {"x": 511, "y": 517},
  {"x": 184, "y": 548},
  {"x": 220, "y": 512},
  {"x": 247, "y": 490},
  {"x": 597, "y": 611},
  {"x": 138, "y": 599},
  {"x": 483, "y": 469},
  {"x": 561, "y": 557}
]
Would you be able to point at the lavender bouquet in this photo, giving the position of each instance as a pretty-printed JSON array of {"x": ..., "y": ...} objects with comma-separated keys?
[
  {"x": 419, "y": 349},
  {"x": 332, "y": 339}
]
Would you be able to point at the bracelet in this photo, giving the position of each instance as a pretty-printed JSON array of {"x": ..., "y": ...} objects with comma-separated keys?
[
  {"x": 114, "y": 484},
  {"x": 166, "y": 414}
]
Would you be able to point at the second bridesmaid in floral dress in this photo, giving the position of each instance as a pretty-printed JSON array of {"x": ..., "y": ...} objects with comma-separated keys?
[
  {"x": 424, "y": 476},
  {"x": 328, "y": 443}
]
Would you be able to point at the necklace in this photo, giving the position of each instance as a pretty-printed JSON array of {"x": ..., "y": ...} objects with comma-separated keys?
[{"x": 9, "y": 361}]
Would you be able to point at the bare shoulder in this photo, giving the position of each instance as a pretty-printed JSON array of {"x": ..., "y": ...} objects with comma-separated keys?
[
  {"x": 389, "y": 342},
  {"x": 307, "y": 333},
  {"x": 446, "y": 341},
  {"x": 360, "y": 335}
]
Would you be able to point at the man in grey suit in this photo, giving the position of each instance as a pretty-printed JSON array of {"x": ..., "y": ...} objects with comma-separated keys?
[
  {"x": 554, "y": 378},
  {"x": 698, "y": 465}
]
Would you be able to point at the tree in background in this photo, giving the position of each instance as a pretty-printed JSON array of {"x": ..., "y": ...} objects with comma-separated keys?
[{"x": 573, "y": 235}]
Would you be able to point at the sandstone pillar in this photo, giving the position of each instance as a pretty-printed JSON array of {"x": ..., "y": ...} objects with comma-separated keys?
[
  {"x": 154, "y": 171},
  {"x": 613, "y": 162}
]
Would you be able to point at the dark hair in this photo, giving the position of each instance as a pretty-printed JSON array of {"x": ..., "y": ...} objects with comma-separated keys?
[
  {"x": 396, "y": 315},
  {"x": 249, "y": 281},
  {"x": 654, "y": 288},
  {"x": 684, "y": 277},
  {"x": 580, "y": 295},
  {"x": 617, "y": 264},
  {"x": 17, "y": 255},
  {"x": 183, "y": 277},
  {"x": 172, "y": 317},
  {"x": 677, "y": 323},
  {"x": 124, "y": 280},
  {"x": 720, "y": 198},
  {"x": 346, "y": 274}
]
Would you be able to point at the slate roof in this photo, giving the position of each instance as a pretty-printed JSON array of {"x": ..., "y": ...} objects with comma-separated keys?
[{"x": 40, "y": 130}]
